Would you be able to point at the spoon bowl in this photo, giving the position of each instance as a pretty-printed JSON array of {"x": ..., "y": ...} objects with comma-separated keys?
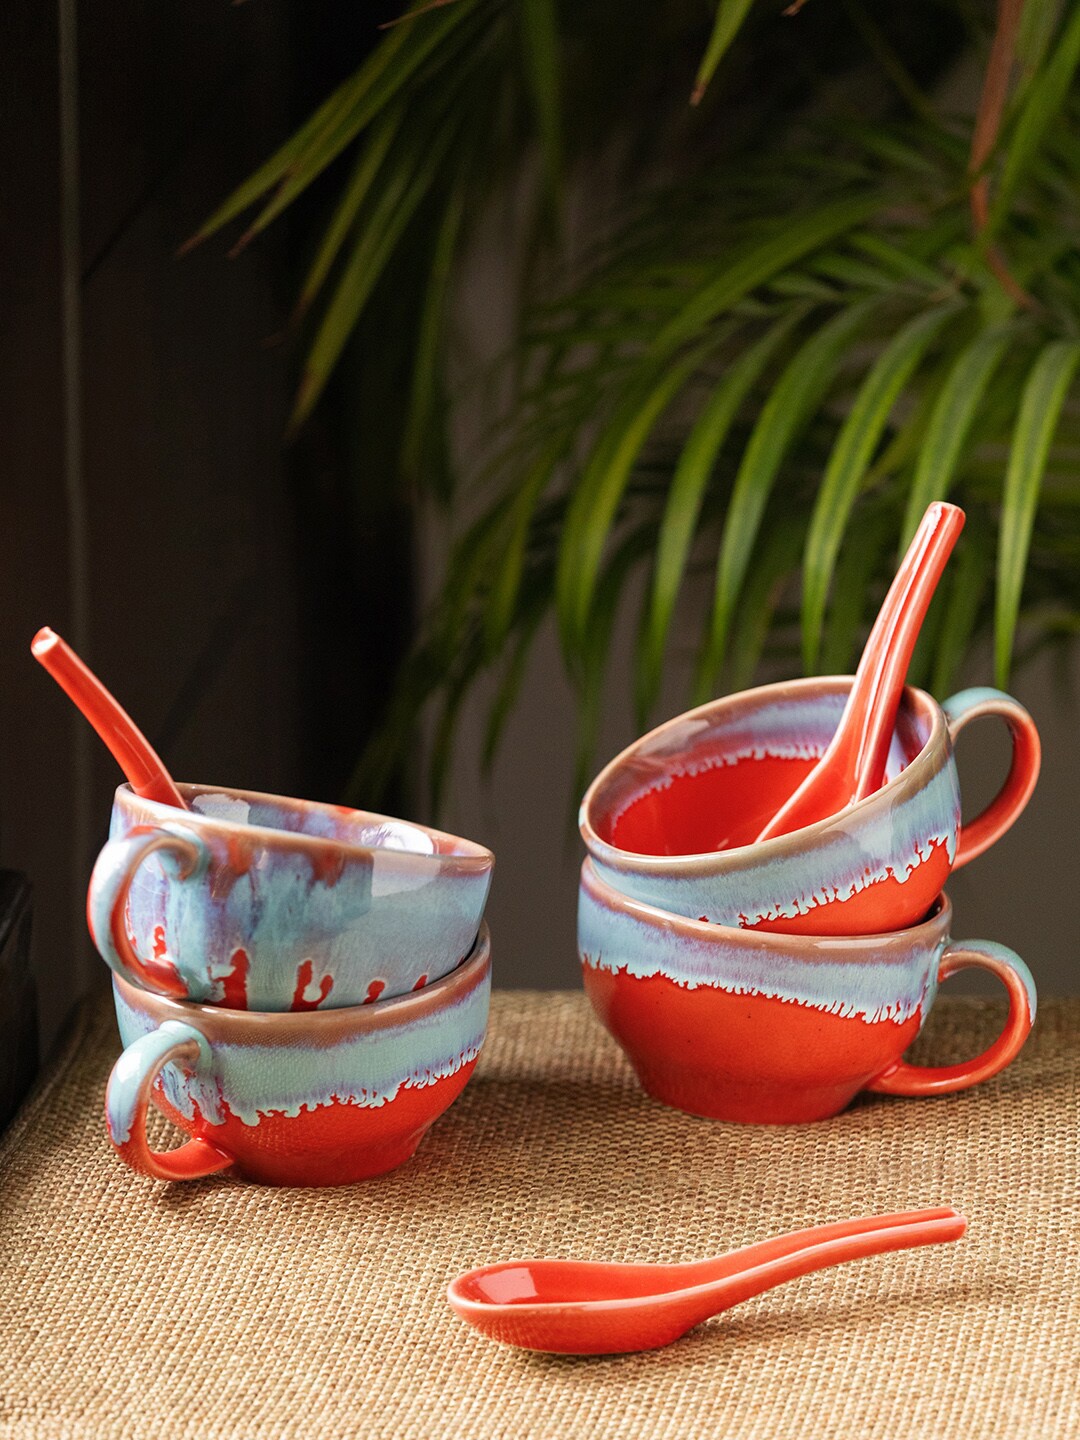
[{"x": 569, "y": 1307}]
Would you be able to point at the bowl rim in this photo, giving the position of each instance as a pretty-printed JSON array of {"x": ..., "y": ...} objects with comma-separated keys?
[
  {"x": 938, "y": 919},
  {"x": 900, "y": 787},
  {"x": 317, "y": 1027},
  {"x": 457, "y": 853}
]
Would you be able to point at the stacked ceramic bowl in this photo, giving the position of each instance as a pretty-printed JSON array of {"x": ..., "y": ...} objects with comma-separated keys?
[
  {"x": 771, "y": 981},
  {"x": 302, "y": 988}
]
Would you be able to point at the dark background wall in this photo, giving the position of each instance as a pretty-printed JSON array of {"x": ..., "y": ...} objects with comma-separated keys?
[{"x": 149, "y": 512}]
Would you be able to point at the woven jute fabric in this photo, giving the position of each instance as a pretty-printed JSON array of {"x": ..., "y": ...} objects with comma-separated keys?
[{"x": 130, "y": 1308}]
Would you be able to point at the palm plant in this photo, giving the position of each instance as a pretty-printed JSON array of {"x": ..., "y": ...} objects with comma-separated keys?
[{"x": 833, "y": 300}]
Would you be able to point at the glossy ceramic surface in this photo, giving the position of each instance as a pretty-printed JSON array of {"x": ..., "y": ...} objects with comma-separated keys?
[
  {"x": 573, "y": 1307},
  {"x": 853, "y": 766},
  {"x": 137, "y": 758},
  {"x": 749, "y": 1026},
  {"x": 261, "y": 902},
  {"x": 309, "y": 1099},
  {"x": 672, "y": 820}
]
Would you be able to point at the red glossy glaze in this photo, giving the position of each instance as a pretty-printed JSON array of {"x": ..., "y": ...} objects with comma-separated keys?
[
  {"x": 137, "y": 758},
  {"x": 746, "y": 1058},
  {"x": 324, "y": 1097},
  {"x": 234, "y": 984},
  {"x": 304, "y": 976},
  {"x": 334, "y": 1144},
  {"x": 581, "y": 1308},
  {"x": 853, "y": 766},
  {"x": 271, "y": 903},
  {"x": 672, "y": 821},
  {"x": 872, "y": 909},
  {"x": 724, "y": 807},
  {"x": 715, "y": 809},
  {"x": 780, "y": 1029}
]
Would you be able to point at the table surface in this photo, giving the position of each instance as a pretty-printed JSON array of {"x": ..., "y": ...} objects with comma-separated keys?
[{"x": 218, "y": 1309}]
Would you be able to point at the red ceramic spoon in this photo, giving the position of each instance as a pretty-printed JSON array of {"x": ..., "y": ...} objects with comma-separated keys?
[
  {"x": 135, "y": 755},
  {"x": 854, "y": 764},
  {"x": 571, "y": 1307}
]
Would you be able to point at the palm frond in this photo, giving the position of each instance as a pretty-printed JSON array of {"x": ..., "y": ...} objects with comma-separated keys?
[
  {"x": 755, "y": 370},
  {"x": 1040, "y": 406}
]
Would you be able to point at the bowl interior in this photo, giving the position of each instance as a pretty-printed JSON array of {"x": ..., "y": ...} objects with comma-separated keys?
[
  {"x": 337, "y": 823},
  {"x": 711, "y": 784}
]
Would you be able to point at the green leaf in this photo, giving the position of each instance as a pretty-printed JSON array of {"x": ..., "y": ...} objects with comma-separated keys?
[
  {"x": 392, "y": 212},
  {"x": 757, "y": 264},
  {"x": 425, "y": 375},
  {"x": 949, "y": 425},
  {"x": 764, "y": 587},
  {"x": 513, "y": 675},
  {"x": 364, "y": 173},
  {"x": 903, "y": 264},
  {"x": 1040, "y": 405},
  {"x": 1037, "y": 26},
  {"x": 730, "y": 15},
  {"x": 1046, "y": 95},
  {"x": 543, "y": 64},
  {"x": 853, "y": 274},
  {"x": 687, "y": 491},
  {"x": 633, "y": 548},
  {"x": 795, "y": 397},
  {"x": 967, "y": 587},
  {"x": 502, "y": 603},
  {"x": 416, "y": 44},
  {"x": 471, "y": 562},
  {"x": 600, "y": 490},
  {"x": 274, "y": 169},
  {"x": 801, "y": 286},
  {"x": 455, "y": 690},
  {"x": 850, "y": 458},
  {"x": 854, "y": 572}
]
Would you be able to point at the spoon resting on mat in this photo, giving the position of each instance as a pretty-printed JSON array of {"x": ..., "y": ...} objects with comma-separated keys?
[{"x": 569, "y": 1307}]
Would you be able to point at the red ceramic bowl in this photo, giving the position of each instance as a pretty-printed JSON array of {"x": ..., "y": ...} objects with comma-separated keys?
[
  {"x": 750, "y": 1026},
  {"x": 320, "y": 1097},
  {"x": 672, "y": 821}
]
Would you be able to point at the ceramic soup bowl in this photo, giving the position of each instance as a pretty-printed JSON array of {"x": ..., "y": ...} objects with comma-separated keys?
[
  {"x": 265, "y": 903},
  {"x": 322, "y": 1098},
  {"x": 750, "y": 1026},
  {"x": 672, "y": 820}
]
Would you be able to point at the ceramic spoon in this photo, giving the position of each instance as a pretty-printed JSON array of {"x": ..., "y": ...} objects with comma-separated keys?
[
  {"x": 571, "y": 1307},
  {"x": 853, "y": 766},
  {"x": 135, "y": 755}
]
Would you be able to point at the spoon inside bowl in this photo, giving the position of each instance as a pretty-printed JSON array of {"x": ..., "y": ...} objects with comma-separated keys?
[
  {"x": 853, "y": 766},
  {"x": 135, "y": 755},
  {"x": 569, "y": 1307}
]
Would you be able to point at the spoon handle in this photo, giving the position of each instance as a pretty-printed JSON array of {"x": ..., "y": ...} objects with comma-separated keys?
[
  {"x": 853, "y": 764},
  {"x": 874, "y": 1236},
  {"x": 936, "y": 537},
  {"x": 737, "y": 1262},
  {"x": 135, "y": 755}
]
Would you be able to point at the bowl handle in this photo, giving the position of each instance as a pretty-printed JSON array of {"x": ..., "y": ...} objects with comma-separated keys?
[
  {"x": 904, "y": 1079},
  {"x": 129, "y": 1093},
  {"x": 183, "y": 853},
  {"x": 982, "y": 832}
]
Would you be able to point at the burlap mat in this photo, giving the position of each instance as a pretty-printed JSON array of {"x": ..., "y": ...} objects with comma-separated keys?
[{"x": 129, "y": 1308}]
